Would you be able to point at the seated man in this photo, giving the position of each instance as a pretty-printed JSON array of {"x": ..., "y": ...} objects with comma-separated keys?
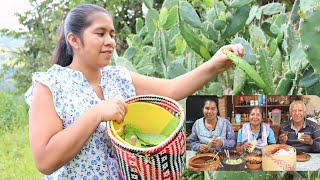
[{"x": 300, "y": 133}]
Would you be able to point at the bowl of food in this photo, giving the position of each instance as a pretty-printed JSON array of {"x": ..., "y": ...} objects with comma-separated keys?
[
  {"x": 234, "y": 164},
  {"x": 206, "y": 161},
  {"x": 254, "y": 162},
  {"x": 232, "y": 153}
]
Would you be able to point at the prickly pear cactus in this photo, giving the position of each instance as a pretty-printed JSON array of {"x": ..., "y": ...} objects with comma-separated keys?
[
  {"x": 310, "y": 37},
  {"x": 231, "y": 175}
]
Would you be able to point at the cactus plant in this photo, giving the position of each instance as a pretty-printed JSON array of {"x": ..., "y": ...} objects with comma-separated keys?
[
  {"x": 310, "y": 37},
  {"x": 192, "y": 35}
]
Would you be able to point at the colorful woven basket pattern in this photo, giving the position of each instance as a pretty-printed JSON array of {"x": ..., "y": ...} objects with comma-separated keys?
[{"x": 164, "y": 161}]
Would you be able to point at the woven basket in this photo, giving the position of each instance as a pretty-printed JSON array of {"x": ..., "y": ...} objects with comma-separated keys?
[
  {"x": 164, "y": 161},
  {"x": 274, "y": 162}
]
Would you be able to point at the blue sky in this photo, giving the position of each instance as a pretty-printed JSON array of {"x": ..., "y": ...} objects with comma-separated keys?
[{"x": 7, "y": 18}]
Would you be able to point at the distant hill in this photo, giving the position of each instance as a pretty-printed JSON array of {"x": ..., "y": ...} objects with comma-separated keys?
[
  {"x": 10, "y": 42},
  {"x": 7, "y": 44}
]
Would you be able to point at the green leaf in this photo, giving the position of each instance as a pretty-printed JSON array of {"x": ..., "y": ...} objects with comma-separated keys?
[
  {"x": 139, "y": 24},
  {"x": 172, "y": 18},
  {"x": 130, "y": 52},
  {"x": 204, "y": 52},
  {"x": 170, "y": 127},
  {"x": 173, "y": 33},
  {"x": 306, "y": 5},
  {"x": 212, "y": 15},
  {"x": 151, "y": 16},
  {"x": 238, "y": 22},
  {"x": 175, "y": 69},
  {"x": 271, "y": 8},
  {"x": 252, "y": 14},
  {"x": 150, "y": 138},
  {"x": 156, "y": 40},
  {"x": 250, "y": 55},
  {"x": 181, "y": 46},
  {"x": 297, "y": 58},
  {"x": 294, "y": 12},
  {"x": 215, "y": 88},
  {"x": 239, "y": 81},
  {"x": 309, "y": 78},
  {"x": 209, "y": 31},
  {"x": 148, "y": 3},
  {"x": 258, "y": 35},
  {"x": 163, "y": 16},
  {"x": 239, "y": 3},
  {"x": 170, "y": 3},
  {"x": 208, "y": 3},
  {"x": 122, "y": 61},
  {"x": 192, "y": 40},
  {"x": 189, "y": 15},
  {"x": 163, "y": 46}
]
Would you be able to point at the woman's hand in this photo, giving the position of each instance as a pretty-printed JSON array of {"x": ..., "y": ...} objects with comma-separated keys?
[
  {"x": 247, "y": 146},
  {"x": 111, "y": 109},
  {"x": 203, "y": 148},
  {"x": 221, "y": 62},
  {"x": 217, "y": 142}
]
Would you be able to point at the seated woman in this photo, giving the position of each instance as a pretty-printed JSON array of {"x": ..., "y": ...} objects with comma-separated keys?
[
  {"x": 211, "y": 131},
  {"x": 254, "y": 134}
]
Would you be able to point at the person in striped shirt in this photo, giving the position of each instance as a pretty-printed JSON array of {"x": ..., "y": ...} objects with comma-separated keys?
[{"x": 299, "y": 132}]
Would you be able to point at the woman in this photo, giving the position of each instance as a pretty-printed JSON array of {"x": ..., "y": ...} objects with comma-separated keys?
[
  {"x": 211, "y": 130},
  {"x": 70, "y": 103},
  {"x": 254, "y": 134}
]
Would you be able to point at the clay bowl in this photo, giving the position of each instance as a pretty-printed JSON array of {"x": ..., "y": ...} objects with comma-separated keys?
[
  {"x": 234, "y": 167},
  {"x": 204, "y": 162},
  {"x": 253, "y": 166},
  {"x": 253, "y": 162}
]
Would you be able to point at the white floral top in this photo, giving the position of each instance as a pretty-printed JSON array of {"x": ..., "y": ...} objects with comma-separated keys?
[{"x": 73, "y": 95}]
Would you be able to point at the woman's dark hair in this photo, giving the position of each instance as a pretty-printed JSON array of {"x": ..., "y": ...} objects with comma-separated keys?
[
  {"x": 209, "y": 100},
  {"x": 260, "y": 110},
  {"x": 77, "y": 20}
]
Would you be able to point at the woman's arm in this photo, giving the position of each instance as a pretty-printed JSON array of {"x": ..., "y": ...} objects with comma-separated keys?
[
  {"x": 193, "y": 138},
  {"x": 186, "y": 84},
  {"x": 51, "y": 145},
  {"x": 271, "y": 138},
  {"x": 239, "y": 147},
  {"x": 230, "y": 141}
]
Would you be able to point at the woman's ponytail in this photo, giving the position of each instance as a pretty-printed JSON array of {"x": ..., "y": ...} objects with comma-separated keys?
[{"x": 62, "y": 54}]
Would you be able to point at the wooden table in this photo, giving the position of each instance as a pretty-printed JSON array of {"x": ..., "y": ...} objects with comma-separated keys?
[{"x": 312, "y": 165}]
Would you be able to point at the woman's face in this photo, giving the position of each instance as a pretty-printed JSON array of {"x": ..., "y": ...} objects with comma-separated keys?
[
  {"x": 255, "y": 117},
  {"x": 98, "y": 41},
  {"x": 210, "y": 110}
]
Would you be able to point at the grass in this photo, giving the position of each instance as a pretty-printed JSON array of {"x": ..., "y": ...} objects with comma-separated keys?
[{"x": 15, "y": 155}]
